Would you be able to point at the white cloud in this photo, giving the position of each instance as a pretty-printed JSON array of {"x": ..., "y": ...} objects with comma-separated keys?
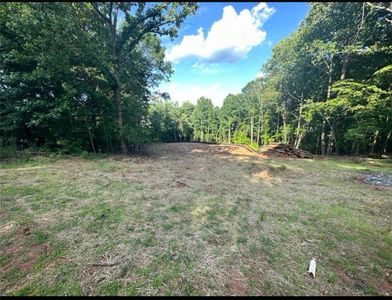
[
  {"x": 229, "y": 38},
  {"x": 191, "y": 92}
]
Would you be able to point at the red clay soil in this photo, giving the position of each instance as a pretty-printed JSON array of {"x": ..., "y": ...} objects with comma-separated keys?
[
  {"x": 236, "y": 285},
  {"x": 23, "y": 255}
]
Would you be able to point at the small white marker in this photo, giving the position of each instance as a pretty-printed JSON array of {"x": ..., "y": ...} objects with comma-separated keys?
[{"x": 312, "y": 267}]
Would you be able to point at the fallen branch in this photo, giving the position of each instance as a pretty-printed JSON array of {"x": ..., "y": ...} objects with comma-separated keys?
[{"x": 104, "y": 265}]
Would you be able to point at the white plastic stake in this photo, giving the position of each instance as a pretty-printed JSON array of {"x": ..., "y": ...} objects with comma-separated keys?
[{"x": 312, "y": 267}]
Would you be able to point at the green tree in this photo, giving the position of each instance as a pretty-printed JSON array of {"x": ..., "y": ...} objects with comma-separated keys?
[
  {"x": 142, "y": 22},
  {"x": 202, "y": 118}
]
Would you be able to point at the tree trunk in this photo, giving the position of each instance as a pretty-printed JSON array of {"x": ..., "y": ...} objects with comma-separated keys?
[
  {"x": 329, "y": 85},
  {"x": 330, "y": 71},
  {"x": 374, "y": 142},
  {"x": 117, "y": 88},
  {"x": 91, "y": 138},
  {"x": 174, "y": 133},
  {"x": 330, "y": 141},
  {"x": 258, "y": 131},
  {"x": 262, "y": 141},
  {"x": 353, "y": 144},
  {"x": 110, "y": 145},
  {"x": 299, "y": 140},
  {"x": 117, "y": 93},
  {"x": 299, "y": 135},
  {"x": 344, "y": 67},
  {"x": 277, "y": 125},
  {"x": 384, "y": 147},
  {"x": 333, "y": 136},
  {"x": 229, "y": 135},
  {"x": 284, "y": 117},
  {"x": 251, "y": 130},
  {"x": 323, "y": 138},
  {"x": 208, "y": 131},
  {"x": 106, "y": 136}
]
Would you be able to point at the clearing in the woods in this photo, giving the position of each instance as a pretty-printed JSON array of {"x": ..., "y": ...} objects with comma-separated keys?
[{"x": 194, "y": 219}]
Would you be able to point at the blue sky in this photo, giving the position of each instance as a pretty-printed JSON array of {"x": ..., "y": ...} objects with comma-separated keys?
[{"x": 224, "y": 46}]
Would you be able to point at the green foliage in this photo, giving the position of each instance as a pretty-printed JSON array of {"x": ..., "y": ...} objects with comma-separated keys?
[
  {"x": 8, "y": 151},
  {"x": 85, "y": 155},
  {"x": 262, "y": 215},
  {"x": 202, "y": 119},
  {"x": 75, "y": 81},
  {"x": 59, "y": 74},
  {"x": 240, "y": 137},
  {"x": 110, "y": 289}
]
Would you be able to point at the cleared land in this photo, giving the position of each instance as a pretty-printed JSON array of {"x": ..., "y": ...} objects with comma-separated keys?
[{"x": 194, "y": 219}]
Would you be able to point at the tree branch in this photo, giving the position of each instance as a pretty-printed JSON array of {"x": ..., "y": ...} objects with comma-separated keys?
[
  {"x": 380, "y": 7},
  {"x": 110, "y": 11},
  {"x": 292, "y": 96},
  {"x": 107, "y": 20},
  {"x": 154, "y": 12}
]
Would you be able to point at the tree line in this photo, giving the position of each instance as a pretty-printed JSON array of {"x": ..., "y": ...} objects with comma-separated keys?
[
  {"x": 326, "y": 88},
  {"x": 79, "y": 76}
]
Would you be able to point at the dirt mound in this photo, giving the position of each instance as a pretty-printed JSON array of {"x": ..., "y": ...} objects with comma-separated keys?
[{"x": 284, "y": 150}]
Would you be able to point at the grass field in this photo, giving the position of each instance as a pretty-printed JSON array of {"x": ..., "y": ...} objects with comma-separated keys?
[{"x": 194, "y": 220}]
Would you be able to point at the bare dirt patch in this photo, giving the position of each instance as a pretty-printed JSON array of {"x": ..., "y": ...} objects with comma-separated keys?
[
  {"x": 265, "y": 174},
  {"x": 181, "y": 185},
  {"x": 170, "y": 149},
  {"x": 23, "y": 254},
  {"x": 386, "y": 287},
  {"x": 346, "y": 278},
  {"x": 236, "y": 283}
]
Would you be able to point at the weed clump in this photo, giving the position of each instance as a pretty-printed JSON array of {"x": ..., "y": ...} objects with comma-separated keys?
[
  {"x": 262, "y": 215},
  {"x": 85, "y": 155}
]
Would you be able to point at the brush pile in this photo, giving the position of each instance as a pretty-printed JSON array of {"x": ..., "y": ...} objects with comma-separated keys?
[{"x": 284, "y": 150}]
